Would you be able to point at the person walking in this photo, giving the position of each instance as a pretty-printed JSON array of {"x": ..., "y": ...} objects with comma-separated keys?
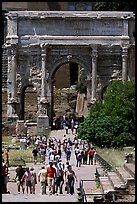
[
  {"x": 68, "y": 154},
  {"x": 19, "y": 174},
  {"x": 66, "y": 129},
  {"x": 51, "y": 175},
  {"x": 94, "y": 156},
  {"x": 42, "y": 154},
  {"x": 90, "y": 155},
  {"x": 4, "y": 177},
  {"x": 72, "y": 125},
  {"x": 65, "y": 172},
  {"x": 79, "y": 159},
  {"x": 42, "y": 178},
  {"x": 61, "y": 177},
  {"x": 77, "y": 150},
  {"x": 70, "y": 179},
  {"x": 27, "y": 177},
  {"x": 85, "y": 157},
  {"x": 57, "y": 178},
  {"x": 6, "y": 154},
  {"x": 33, "y": 179},
  {"x": 35, "y": 154},
  {"x": 51, "y": 158}
]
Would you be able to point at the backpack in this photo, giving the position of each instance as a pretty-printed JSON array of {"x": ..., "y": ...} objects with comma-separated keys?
[{"x": 79, "y": 157}]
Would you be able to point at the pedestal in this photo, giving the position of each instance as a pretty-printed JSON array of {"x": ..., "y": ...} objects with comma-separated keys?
[
  {"x": 43, "y": 123},
  {"x": 13, "y": 118},
  {"x": 21, "y": 129}
]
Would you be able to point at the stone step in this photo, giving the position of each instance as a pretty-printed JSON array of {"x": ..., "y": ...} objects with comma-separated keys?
[
  {"x": 116, "y": 181},
  {"x": 106, "y": 185},
  {"x": 130, "y": 167},
  {"x": 125, "y": 176}
]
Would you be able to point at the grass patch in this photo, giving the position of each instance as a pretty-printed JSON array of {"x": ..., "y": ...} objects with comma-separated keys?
[
  {"x": 7, "y": 140},
  {"x": 115, "y": 157},
  {"x": 17, "y": 156}
]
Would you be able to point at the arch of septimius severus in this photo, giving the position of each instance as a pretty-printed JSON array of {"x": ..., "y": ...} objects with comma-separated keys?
[{"x": 38, "y": 42}]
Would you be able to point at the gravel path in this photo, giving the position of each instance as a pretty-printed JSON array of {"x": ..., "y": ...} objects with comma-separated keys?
[{"x": 84, "y": 172}]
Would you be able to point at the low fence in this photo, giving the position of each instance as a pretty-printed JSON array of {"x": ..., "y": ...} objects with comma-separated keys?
[{"x": 103, "y": 162}]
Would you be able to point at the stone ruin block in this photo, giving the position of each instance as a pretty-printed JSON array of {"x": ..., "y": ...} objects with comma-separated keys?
[{"x": 21, "y": 129}]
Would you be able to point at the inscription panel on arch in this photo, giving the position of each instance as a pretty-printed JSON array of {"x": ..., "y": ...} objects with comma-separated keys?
[{"x": 70, "y": 27}]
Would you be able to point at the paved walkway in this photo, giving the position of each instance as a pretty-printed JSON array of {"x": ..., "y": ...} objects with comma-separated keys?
[{"x": 84, "y": 172}]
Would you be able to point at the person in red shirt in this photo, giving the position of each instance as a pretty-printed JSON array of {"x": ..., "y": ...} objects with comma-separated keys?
[
  {"x": 51, "y": 174},
  {"x": 7, "y": 158},
  {"x": 91, "y": 154}
]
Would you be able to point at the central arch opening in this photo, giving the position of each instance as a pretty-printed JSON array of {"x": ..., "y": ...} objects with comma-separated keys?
[
  {"x": 64, "y": 97},
  {"x": 69, "y": 73}
]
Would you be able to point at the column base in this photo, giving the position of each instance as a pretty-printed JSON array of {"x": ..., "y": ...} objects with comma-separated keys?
[
  {"x": 93, "y": 101},
  {"x": 13, "y": 119},
  {"x": 43, "y": 123}
]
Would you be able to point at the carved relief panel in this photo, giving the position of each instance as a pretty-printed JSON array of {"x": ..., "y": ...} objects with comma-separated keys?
[{"x": 29, "y": 71}]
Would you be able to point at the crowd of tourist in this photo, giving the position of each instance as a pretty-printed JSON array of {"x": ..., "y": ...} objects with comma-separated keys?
[
  {"x": 68, "y": 122},
  {"x": 56, "y": 174}
]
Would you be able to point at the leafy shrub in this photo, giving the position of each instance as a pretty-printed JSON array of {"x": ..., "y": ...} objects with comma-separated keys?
[
  {"x": 112, "y": 123},
  {"x": 81, "y": 86}
]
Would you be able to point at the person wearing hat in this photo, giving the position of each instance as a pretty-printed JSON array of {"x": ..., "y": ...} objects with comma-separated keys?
[{"x": 51, "y": 175}]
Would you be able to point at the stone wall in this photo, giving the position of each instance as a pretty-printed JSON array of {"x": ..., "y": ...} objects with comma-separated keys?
[
  {"x": 4, "y": 67},
  {"x": 97, "y": 41},
  {"x": 48, "y": 6},
  {"x": 4, "y": 105},
  {"x": 62, "y": 73}
]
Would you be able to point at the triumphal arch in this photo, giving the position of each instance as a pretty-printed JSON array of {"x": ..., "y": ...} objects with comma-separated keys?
[{"x": 38, "y": 42}]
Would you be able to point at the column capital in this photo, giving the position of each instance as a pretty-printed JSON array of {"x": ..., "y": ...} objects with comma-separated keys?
[
  {"x": 94, "y": 54},
  {"x": 89, "y": 77},
  {"x": 124, "y": 47},
  {"x": 12, "y": 16},
  {"x": 44, "y": 100},
  {"x": 125, "y": 51},
  {"x": 94, "y": 50},
  {"x": 44, "y": 45},
  {"x": 12, "y": 47},
  {"x": 94, "y": 46}
]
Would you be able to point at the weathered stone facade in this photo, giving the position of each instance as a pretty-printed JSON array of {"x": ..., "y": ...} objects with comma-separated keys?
[
  {"x": 49, "y": 6},
  {"x": 39, "y": 43}
]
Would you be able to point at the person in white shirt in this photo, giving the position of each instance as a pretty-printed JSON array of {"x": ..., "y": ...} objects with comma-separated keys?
[
  {"x": 51, "y": 157},
  {"x": 42, "y": 178}
]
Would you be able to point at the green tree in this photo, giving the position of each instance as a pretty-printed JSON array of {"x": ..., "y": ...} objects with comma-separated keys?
[
  {"x": 115, "y": 6},
  {"x": 112, "y": 123}
]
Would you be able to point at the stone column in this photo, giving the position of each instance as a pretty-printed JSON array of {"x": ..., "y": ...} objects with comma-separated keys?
[
  {"x": 125, "y": 63},
  {"x": 12, "y": 30},
  {"x": 89, "y": 88},
  {"x": 43, "y": 119},
  {"x": 94, "y": 73},
  {"x": 11, "y": 84}
]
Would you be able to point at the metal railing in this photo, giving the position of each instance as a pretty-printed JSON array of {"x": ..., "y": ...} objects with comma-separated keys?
[
  {"x": 112, "y": 197},
  {"x": 103, "y": 162}
]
